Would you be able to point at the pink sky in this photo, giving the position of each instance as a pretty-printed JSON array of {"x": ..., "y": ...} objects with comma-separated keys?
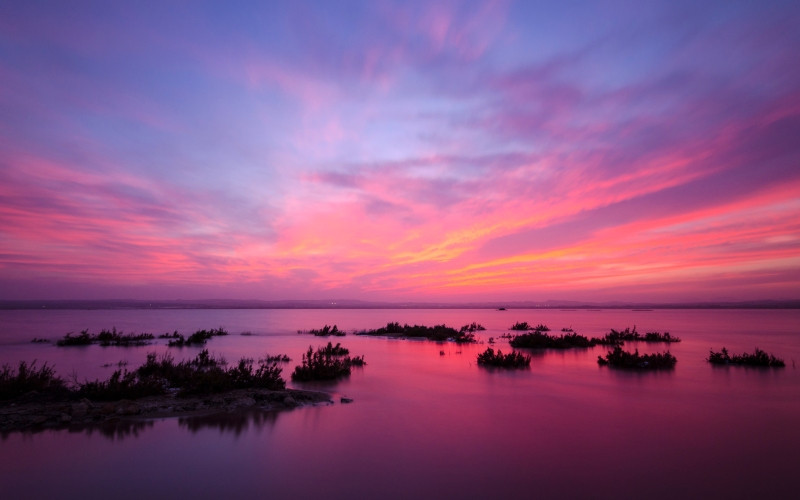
[{"x": 396, "y": 151}]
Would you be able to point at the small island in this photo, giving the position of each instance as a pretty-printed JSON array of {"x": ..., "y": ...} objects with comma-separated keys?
[
  {"x": 326, "y": 363},
  {"x": 758, "y": 358},
  {"x": 540, "y": 340},
  {"x": 635, "y": 361},
  {"x": 325, "y": 331},
  {"x": 105, "y": 338},
  {"x": 438, "y": 333},
  {"x": 615, "y": 337},
  {"x": 537, "y": 338},
  {"x": 513, "y": 359}
]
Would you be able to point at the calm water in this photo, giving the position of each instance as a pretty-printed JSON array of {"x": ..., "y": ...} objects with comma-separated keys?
[{"x": 434, "y": 426}]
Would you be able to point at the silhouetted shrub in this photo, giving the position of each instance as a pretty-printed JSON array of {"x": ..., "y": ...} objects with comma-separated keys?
[
  {"x": 617, "y": 338},
  {"x": 472, "y": 327},
  {"x": 623, "y": 359},
  {"x": 524, "y": 326},
  {"x": 439, "y": 333},
  {"x": 74, "y": 340},
  {"x": 282, "y": 358},
  {"x": 204, "y": 374},
  {"x": 326, "y": 331},
  {"x": 513, "y": 359},
  {"x": 660, "y": 337},
  {"x": 200, "y": 337},
  {"x": 121, "y": 385},
  {"x": 326, "y": 363},
  {"x": 334, "y": 350},
  {"x": 357, "y": 361},
  {"x": 27, "y": 378},
  {"x": 541, "y": 340},
  {"x": 106, "y": 338},
  {"x": 757, "y": 358}
]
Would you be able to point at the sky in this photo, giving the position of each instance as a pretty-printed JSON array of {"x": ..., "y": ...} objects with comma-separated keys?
[{"x": 400, "y": 151}]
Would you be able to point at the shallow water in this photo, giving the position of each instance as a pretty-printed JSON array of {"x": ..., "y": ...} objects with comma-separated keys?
[{"x": 431, "y": 425}]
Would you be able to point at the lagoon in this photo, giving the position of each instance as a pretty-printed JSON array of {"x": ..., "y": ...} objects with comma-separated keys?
[{"x": 428, "y": 424}]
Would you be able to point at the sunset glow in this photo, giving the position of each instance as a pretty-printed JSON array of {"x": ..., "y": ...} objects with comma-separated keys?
[{"x": 400, "y": 151}]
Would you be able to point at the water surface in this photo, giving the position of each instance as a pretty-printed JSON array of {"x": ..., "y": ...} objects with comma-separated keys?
[{"x": 432, "y": 425}]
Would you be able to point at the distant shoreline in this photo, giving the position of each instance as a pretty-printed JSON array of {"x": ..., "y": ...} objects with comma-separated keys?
[{"x": 350, "y": 304}]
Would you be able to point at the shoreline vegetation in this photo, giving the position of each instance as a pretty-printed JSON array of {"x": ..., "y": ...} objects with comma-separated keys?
[
  {"x": 34, "y": 396},
  {"x": 758, "y": 358}
]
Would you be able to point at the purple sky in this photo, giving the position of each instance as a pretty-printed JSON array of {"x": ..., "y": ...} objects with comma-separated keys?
[{"x": 443, "y": 151}]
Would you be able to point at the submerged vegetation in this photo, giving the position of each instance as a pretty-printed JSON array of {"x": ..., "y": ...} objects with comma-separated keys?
[
  {"x": 200, "y": 337},
  {"x": 439, "y": 333},
  {"x": 513, "y": 359},
  {"x": 757, "y": 358},
  {"x": 326, "y": 363},
  {"x": 325, "y": 331},
  {"x": 106, "y": 338},
  {"x": 623, "y": 359}
]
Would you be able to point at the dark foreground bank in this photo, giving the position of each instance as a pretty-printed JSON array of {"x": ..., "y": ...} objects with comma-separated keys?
[{"x": 31, "y": 413}]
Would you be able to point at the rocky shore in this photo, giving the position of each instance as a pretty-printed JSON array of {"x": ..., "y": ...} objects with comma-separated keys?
[{"x": 31, "y": 412}]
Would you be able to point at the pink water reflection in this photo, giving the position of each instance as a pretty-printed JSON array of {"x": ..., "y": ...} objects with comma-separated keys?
[{"x": 431, "y": 425}]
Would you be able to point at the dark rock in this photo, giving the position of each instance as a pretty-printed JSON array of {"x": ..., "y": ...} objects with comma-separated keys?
[
  {"x": 79, "y": 409},
  {"x": 346, "y": 400},
  {"x": 128, "y": 408}
]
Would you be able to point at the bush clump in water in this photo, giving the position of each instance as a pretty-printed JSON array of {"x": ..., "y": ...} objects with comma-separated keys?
[
  {"x": 472, "y": 327},
  {"x": 757, "y": 358},
  {"x": 200, "y": 337},
  {"x": 635, "y": 361},
  {"x": 660, "y": 337},
  {"x": 540, "y": 340},
  {"x": 325, "y": 331},
  {"x": 438, "y": 333},
  {"x": 617, "y": 338},
  {"x": 326, "y": 363},
  {"x": 513, "y": 359},
  {"x": 106, "y": 338}
]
